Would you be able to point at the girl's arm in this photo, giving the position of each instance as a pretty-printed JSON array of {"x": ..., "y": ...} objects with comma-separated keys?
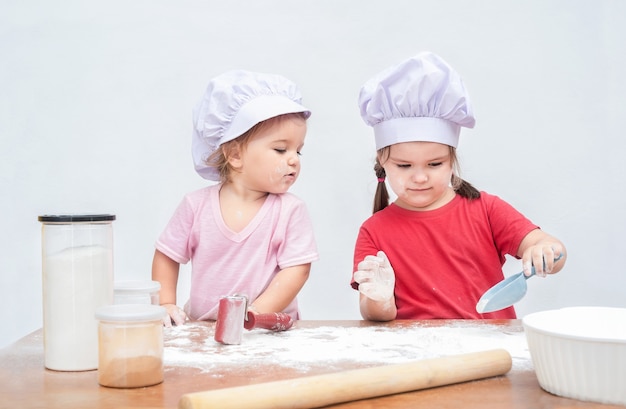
[
  {"x": 283, "y": 288},
  {"x": 377, "y": 310},
  {"x": 165, "y": 271},
  {"x": 538, "y": 248}
]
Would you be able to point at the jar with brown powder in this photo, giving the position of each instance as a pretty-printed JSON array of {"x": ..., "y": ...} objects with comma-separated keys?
[{"x": 130, "y": 345}]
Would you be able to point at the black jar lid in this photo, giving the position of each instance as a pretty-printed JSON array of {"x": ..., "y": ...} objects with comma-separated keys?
[{"x": 76, "y": 218}]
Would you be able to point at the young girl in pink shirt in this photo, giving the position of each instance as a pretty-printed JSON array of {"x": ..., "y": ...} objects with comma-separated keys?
[{"x": 246, "y": 234}]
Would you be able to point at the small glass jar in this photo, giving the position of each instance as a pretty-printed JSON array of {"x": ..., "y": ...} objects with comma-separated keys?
[
  {"x": 77, "y": 277},
  {"x": 130, "y": 338},
  {"x": 136, "y": 292}
]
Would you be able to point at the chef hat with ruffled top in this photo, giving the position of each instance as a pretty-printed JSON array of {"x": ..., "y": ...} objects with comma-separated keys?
[
  {"x": 420, "y": 99},
  {"x": 232, "y": 104}
]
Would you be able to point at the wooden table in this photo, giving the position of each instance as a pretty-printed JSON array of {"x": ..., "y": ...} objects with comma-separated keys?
[{"x": 25, "y": 383}]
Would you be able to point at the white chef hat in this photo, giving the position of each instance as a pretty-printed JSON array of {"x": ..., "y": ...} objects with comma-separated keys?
[
  {"x": 420, "y": 99},
  {"x": 232, "y": 104}
]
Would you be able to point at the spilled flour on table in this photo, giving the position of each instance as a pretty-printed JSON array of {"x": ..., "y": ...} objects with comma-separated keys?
[{"x": 301, "y": 348}]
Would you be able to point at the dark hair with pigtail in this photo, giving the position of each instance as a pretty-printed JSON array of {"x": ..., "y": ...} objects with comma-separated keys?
[
  {"x": 460, "y": 186},
  {"x": 381, "y": 198}
]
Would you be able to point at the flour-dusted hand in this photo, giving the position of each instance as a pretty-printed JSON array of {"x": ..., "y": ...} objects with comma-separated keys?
[
  {"x": 174, "y": 315},
  {"x": 376, "y": 277}
]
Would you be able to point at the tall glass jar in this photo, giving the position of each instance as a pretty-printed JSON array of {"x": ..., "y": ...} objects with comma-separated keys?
[{"x": 77, "y": 273}]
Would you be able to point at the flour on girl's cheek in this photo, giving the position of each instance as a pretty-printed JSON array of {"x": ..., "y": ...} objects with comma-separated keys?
[
  {"x": 398, "y": 186},
  {"x": 303, "y": 348},
  {"x": 281, "y": 170}
]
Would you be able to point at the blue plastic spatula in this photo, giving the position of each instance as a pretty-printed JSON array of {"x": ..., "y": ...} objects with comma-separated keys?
[{"x": 506, "y": 293}]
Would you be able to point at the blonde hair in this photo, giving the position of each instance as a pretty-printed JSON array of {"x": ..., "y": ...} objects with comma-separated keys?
[
  {"x": 219, "y": 158},
  {"x": 381, "y": 197}
]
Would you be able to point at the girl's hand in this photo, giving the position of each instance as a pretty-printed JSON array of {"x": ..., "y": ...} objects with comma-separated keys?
[
  {"x": 541, "y": 251},
  {"x": 174, "y": 315},
  {"x": 376, "y": 277},
  {"x": 542, "y": 259}
]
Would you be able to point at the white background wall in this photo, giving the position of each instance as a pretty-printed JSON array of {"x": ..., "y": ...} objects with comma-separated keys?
[{"x": 96, "y": 99}]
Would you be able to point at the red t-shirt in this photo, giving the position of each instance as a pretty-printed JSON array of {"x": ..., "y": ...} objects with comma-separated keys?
[{"x": 445, "y": 259}]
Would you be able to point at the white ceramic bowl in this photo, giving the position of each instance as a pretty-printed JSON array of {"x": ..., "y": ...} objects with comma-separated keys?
[{"x": 580, "y": 352}]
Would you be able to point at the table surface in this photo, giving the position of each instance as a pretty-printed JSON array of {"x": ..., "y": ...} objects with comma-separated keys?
[{"x": 194, "y": 362}]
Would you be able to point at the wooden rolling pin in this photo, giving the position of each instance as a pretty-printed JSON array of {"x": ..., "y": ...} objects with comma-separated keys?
[{"x": 322, "y": 390}]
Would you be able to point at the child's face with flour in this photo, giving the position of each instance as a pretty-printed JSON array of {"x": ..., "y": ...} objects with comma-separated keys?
[
  {"x": 419, "y": 174},
  {"x": 270, "y": 161}
]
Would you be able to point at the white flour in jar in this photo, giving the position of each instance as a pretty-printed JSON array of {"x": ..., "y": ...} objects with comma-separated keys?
[{"x": 77, "y": 280}]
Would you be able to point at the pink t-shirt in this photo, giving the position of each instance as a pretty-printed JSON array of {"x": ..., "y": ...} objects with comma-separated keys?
[
  {"x": 226, "y": 263},
  {"x": 445, "y": 259}
]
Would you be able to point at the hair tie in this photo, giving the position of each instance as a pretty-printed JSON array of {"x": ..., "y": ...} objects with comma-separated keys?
[{"x": 381, "y": 180}]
